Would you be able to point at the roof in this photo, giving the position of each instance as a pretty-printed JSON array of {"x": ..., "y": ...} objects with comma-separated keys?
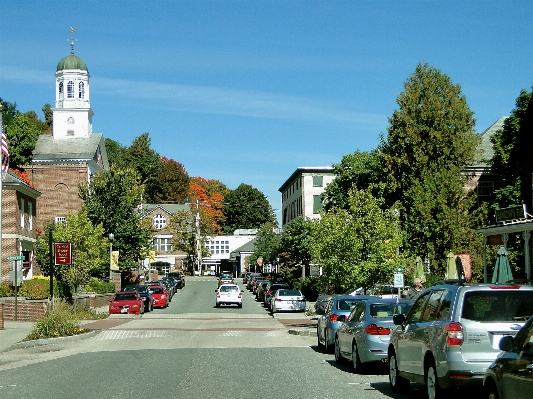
[
  {"x": 248, "y": 247},
  {"x": 324, "y": 170},
  {"x": 485, "y": 149},
  {"x": 71, "y": 62},
  {"x": 50, "y": 150},
  {"x": 168, "y": 208},
  {"x": 10, "y": 181}
]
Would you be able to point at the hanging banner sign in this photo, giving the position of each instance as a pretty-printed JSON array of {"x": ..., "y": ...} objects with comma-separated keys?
[
  {"x": 114, "y": 260},
  {"x": 63, "y": 253}
]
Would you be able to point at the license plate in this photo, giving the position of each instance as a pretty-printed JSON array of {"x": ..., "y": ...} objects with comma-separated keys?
[{"x": 123, "y": 310}]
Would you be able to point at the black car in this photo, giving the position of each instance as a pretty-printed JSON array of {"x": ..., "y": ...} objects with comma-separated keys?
[
  {"x": 145, "y": 294},
  {"x": 180, "y": 282},
  {"x": 511, "y": 374}
]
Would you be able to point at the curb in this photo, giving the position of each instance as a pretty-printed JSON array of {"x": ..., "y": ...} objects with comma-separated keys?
[
  {"x": 44, "y": 341},
  {"x": 308, "y": 333}
]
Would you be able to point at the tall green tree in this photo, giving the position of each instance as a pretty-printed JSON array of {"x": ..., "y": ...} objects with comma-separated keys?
[
  {"x": 508, "y": 160},
  {"x": 246, "y": 208},
  {"x": 114, "y": 150},
  {"x": 362, "y": 169},
  {"x": 173, "y": 182},
  {"x": 430, "y": 139},
  {"x": 266, "y": 244},
  {"x": 356, "y": 247},
  {"x": 146, "y": 161},
  {"x": 295, "y": 247},
  {"x": 22, "y": 133},
  {"x": 90, "y": 250},
  {"x": 111, "y": 200}
]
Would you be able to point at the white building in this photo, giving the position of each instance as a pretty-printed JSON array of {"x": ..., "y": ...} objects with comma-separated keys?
[
  {"x": 221, "y": 247},
  {"x": 300, "y": 194}
]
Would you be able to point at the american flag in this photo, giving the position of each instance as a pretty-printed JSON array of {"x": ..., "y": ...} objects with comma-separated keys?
[{"x": 5, "y": 152}]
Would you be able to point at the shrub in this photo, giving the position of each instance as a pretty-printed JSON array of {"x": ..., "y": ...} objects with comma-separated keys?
[
  {"x": 5, "y": 290},
  {"x": 35, "y": 289},
  {"x": 100, "y": 287},
  {"x": 310, "y": 288},
  {"x": 59, "y": 322}
]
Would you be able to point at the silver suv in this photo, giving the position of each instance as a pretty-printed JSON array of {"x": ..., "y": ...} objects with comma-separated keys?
[{"x": 452, "y": 333}]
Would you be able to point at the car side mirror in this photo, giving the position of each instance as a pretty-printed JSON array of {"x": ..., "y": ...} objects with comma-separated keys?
[
  {"x": 506, "y": 343},
  {"x": 216, "y": 290},
  {"x": 398, "y": 319},
  {"x": 341, "y": 318}
]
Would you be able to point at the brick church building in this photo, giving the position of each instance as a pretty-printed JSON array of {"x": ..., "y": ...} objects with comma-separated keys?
[{"x": 72, "y": 153}]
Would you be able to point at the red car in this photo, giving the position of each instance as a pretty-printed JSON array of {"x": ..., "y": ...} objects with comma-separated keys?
[
  {"x": 125, "y": 302},
  {"x": 160, "y": 295}
]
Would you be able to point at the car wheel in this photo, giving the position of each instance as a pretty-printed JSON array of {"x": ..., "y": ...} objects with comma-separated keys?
[
  {"x": 397, "y": 383},
  {"x": 432, "y": 383},
  {"x": 338, "y": 356},
  {"x": 356, "y": 360},
  {"x": 491, "y": 392},
  {"x": 217, "y": 305}
]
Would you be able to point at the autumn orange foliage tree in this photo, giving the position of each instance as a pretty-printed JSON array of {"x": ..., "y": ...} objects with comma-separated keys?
[{"x": 209, "y": 194}]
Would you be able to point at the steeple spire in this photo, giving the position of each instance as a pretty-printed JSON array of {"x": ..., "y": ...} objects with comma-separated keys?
[{"x": 72, "y": 40}]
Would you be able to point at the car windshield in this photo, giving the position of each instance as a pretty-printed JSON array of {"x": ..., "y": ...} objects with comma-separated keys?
[
  {"x": 227, "y": 288},
  {"x": 388, "y": 309},
  {"x": 157, "y": 290},
  {"x": 498, "y": 305},
  {"x": 125, "y": 297},
  {"x": 289, "y": 293},
  {"x": 347, "y": 304}
]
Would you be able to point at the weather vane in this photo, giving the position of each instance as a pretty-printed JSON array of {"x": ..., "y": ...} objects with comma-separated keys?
[{"x": 72, "y": 40}]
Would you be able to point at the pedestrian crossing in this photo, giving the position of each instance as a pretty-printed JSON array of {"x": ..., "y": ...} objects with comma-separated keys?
[{"x": 108, "y": 335}]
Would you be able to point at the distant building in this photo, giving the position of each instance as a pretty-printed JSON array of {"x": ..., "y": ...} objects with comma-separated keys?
[
  {"x": 300, "y": 194},
  {"x": 72, "y": 154},
  {"x": 221, "y": 248},
  {"x": 18, "y": 225}
]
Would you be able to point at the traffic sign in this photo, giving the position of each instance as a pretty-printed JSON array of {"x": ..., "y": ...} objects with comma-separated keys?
[
  {"x": 398, "y": 280},
  {"x": 21, "y": 257}
]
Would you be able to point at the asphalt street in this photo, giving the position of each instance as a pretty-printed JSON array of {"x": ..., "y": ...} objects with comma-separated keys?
[{"x": 189, "y": 350}]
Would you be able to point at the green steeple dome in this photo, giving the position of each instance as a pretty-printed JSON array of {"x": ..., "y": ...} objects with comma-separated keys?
[{"x": 71, "y": 62}]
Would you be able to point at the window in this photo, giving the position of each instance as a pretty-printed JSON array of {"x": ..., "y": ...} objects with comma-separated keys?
[
  {"x": 318, "y": 181},
  {"x": 485, "y": 188},
  {"x": 317, "y": 204},
  {"x": 159, "y": 221},
  {"x": 166, "y": 244},
  {"x": 30, "y": 216},
  {"x": 81, "y": 92},
  {"x": 70, "y": 120},
  {"x": 60, "y": 90},
  {"x": 70, "y": 89},
  {"x": 154, "y": 244},
  {"x": 22, "y": 212}
]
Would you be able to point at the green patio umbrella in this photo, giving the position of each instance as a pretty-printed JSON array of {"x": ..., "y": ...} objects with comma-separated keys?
[
  {"x": 419, "y": 269},
  {"x": 451, "y": 267},
  {"x": 502, "y": 269}
]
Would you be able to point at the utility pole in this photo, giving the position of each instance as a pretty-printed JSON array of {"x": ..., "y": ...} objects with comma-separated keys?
[{"x": 198, "y": 241}]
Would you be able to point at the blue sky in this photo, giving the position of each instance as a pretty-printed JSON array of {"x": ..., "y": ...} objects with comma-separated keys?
[{"x": 247, "y": 91}]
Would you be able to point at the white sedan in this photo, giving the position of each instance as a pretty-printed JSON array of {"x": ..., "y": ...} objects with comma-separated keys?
[
  {"x": 228, "y": 294},
  {"x": 288, "y": 300}
]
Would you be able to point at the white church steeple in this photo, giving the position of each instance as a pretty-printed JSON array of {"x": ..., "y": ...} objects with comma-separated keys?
[{"x": 72, "y": 114}]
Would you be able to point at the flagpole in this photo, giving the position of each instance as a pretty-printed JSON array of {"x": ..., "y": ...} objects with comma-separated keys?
[{"x": 1, "y": 190}]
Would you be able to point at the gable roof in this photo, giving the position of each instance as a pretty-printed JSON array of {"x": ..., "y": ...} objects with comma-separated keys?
[
  {"x": 485, "y": 150},
  {"x": 249, "y": 247},
  {"x": 69, "y": 150}
]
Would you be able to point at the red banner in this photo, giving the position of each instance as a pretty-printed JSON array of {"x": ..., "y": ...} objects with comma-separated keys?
[{"x": 63, "y": 253}]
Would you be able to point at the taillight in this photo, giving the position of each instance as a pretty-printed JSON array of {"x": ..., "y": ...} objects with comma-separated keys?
[
  {"x": 454, "y": 334},
  {"x": 505, "y": 287},
  {"x": 373, "y": 329},
  {"x": 333, "y": 317},
  {"x": 278, "y": 299},
  {"x": 240, "y": 296},
  {"x": 269, "y": 292}
]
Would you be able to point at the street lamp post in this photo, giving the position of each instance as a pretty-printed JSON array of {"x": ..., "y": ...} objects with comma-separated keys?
[{"x": 111, "y": 238}]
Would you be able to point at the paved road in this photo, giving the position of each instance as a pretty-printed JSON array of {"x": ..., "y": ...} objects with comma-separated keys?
[{"x": 190, "y": 350}]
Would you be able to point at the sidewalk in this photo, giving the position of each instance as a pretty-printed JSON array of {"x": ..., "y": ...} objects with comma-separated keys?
[{"x": 14, "y": 332}]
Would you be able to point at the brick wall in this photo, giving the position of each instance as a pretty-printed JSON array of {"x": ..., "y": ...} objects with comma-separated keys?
[
  {"x": 59, "y": 187},
  {"x": 32, "y": 309}
]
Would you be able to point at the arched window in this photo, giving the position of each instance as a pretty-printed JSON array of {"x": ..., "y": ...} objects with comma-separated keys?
[
  {"x": 81, "y": 92},
  {"x": 70, "y": 89},
  {"x": 60, "y": 90}
]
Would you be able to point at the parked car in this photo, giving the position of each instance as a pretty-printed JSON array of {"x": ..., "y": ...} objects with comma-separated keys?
[
  {"x": 145, "y": 294},
  {"x": 511, "y": 374},
  {"x": 180, "y": 280},
  {"x": 261, "y": 290},
  {"x": 160, "y": 295},
  {"x": 364, "y": 335},
  {"x": 170, "y": 284},
  {"x": 451, "y": 334},
  {"x": 250, "y": 277},
  {"x": 257, "y": 285},
  {"x": 228, "y": 294},
  {"x": 327, "y": 324},
  {"x": 252, "y": 281},
  {"x": 271, "y": 290},
  {"x": 321, "y": 302},
  {"x": 125, "y": 302},
  {"x": 288, "y": 300},
  {"x": 385, "y": 291}
]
